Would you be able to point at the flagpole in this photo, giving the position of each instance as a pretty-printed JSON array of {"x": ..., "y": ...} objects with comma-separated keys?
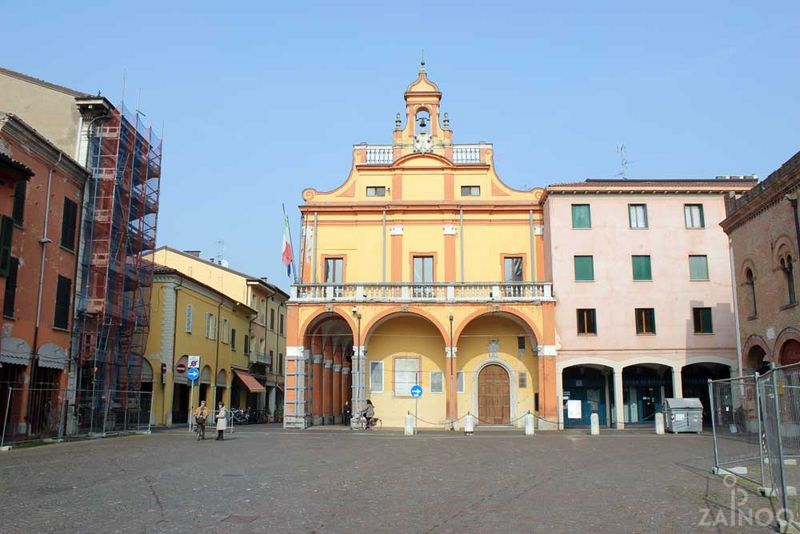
[{"x": 294, "y": 263}]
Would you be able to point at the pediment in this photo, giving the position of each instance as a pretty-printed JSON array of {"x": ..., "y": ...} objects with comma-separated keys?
[{"x": 411, "y": 161}]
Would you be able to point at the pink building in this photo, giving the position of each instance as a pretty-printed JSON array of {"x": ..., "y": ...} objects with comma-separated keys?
[{"x": 645, "y": 304}]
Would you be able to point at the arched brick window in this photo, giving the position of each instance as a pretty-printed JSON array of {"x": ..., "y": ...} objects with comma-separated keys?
[
  {"x": 788, "y": 271},
  {"x": 750, "y": 281}
]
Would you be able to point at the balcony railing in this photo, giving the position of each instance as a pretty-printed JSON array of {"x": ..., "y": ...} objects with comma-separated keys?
[
  {"x": 379, "y": 155},
  {"x": 430, "y": 292},
  {"x": 384, "y": 154},
  {"x": 260, "y": 357}
]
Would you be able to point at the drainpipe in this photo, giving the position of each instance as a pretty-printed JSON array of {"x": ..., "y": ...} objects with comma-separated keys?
[
  {"x": 314, "y": 254},
  {"x": 383, "y": 236},
  {"x": 461, "y": 241},
  {"x": 533, "y": 246},
  {"x": 216, "y": 356}
]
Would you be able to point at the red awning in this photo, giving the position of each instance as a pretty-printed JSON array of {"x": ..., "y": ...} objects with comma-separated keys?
[
  {"x": 280, "y": 386},
  {"x": 250, "y": 382}
]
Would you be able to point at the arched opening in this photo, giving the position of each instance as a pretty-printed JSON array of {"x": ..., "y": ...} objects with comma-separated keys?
[
  {"x": 494, "y": 395},
  {"x": 146, "y": 389},
  {"x": 587, "y": 389},
  {"x": 756, "y": 360},
  {"x": 422, "y": 122},
  {"x": 750, "y": 282},
  {"x": 644, "y": 388},
  {"x": 180, "y": 392},
  {"x": 694, "y": 379},
  {"x": 502, "y": 339},
  {"x": 221, "y": 388},
  {"x": 790, "y": 352},
  {"x": 787, "y": 267},
  {"x": 404, "y": 350},
  {"x": 205, "y": 384}
]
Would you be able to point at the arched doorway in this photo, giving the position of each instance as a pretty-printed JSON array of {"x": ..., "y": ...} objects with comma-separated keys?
[
  {"x": 644, "y": 388},
  {"x": 494, "y": 400},
  {"x": 756, "y": 359},
  {"x": 694, "y": 379},
  {"x": 592, "y": 386},
  {"x": 790, "y": 352}
]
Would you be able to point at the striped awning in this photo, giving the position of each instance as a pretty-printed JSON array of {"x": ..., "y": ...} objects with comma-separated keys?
[
  {"x": 249, "y": 381},
  {"x": 15, "y": 351},
  {"x": 52, "y": 356}
]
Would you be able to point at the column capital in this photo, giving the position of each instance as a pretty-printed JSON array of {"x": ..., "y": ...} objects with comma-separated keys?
[
  {"x": 328, "y": 364},
  {"x": 360, "y": 351},
  {"x": 316, "y": 359},
  {"x": 337, "y": 367},
  {"x": 345, "y": 370},
  {"x": 450, "y": 352},
  {"x": 547, "y": 350}
]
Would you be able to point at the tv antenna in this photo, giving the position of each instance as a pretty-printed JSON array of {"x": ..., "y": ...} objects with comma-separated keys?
[{"x": 623, "y": 161}]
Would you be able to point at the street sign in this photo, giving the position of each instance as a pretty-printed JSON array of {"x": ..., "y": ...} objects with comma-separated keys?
[
  {"x": 194, "y": 373},
  {"x": 194, "y": 362},
  {"x": 180, "y": 368},
  {"x": 416, "y": 391}
]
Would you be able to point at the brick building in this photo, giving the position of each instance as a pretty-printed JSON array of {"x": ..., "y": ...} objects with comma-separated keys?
[{"x": 764, "y": 233}]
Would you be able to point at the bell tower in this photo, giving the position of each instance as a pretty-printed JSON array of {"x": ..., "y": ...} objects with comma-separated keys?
[{"x": 423, "y": 131}]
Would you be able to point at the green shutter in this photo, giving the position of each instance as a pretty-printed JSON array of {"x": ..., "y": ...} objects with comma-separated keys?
[
  {"x": 6, "y": 232},
  {"x": 581, "y": 216},
  {"x": 641, "y": 268},
  {"x": 698, "y": 267},
  {"x": 584, "y": 268}
]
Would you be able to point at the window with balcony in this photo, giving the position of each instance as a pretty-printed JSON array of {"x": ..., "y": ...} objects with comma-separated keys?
[
  {"x": 584, "y": 268},
  {"x": 693, "y": 213},
  {"x": 334, "y": 274},
  {"x": 470, "y": 191},
  {"x": 698, "y": 267},
  {"x": 587, "y": 323},
  {"x": 423, "y": 275},
  {"x": 581, "y": 216},
  {"x": 642, "y": 270},
  {"x": 645, "y": 321},
  {"x": 637, "y": 215},
  {"x": 702, "y": 321},
  {"x": 376, "y": 191}
]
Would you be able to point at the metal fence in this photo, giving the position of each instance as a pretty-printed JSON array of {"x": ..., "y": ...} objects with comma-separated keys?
[
  {"x": 756, "y": 429},
  {"x": 50, "y": 414}
]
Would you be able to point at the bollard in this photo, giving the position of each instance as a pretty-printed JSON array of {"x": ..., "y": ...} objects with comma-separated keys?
[
  {"x": 409, "y": 428},
  {"x": 528, "y": 419},
  {"x": 595, "y": 420},
  {"x": 469, "y": 424},
  {"x": 659, "y": 423}
]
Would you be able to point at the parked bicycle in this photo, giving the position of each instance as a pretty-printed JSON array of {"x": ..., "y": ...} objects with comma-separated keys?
[{"x": 361, "y": 423}]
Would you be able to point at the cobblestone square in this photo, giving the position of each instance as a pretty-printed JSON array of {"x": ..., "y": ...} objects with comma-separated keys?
[{"x": 265, "y": 479}]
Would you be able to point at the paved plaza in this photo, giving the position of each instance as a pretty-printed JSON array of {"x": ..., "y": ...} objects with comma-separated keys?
[{"x": 265, "y": 479}]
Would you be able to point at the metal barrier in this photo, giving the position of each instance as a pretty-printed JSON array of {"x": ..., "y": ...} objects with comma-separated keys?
[
  {"x": 31, "y": 415},
  {"x": 756, "y": 429}
]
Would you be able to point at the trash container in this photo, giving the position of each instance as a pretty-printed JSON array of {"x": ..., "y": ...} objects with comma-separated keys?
[{"x": 683, "y": 415}]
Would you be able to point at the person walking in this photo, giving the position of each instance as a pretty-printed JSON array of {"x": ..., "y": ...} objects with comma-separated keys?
[
  {"x": 221, "y": 423},
  {"x": 200, "y": 417}
]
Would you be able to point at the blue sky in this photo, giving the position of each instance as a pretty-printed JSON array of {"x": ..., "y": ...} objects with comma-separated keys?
[{"x": 262, "y": 99}]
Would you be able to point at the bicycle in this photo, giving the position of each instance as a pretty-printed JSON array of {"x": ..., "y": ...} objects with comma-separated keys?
[
  {"x": 199, "y": 428},
  {"x": 361, "y": 423}
]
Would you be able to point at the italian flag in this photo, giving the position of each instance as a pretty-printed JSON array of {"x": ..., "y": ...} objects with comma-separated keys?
[{"x": 286, "y": 248}]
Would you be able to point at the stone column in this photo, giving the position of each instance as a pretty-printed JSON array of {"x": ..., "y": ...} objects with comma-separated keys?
[
  {"x": 337, "y": 385},
  {"x": 346, "y": 387},
  {"x": 358, "y": 390},
  {"x": 677, "y": 383},
  {"x": 452, "y": 383},
  {"x": 327, "y": 385},
  {"x": 619, "y": 407},
  {"x": 548, "y": 394},
  {"x": 316, "y": 390}
]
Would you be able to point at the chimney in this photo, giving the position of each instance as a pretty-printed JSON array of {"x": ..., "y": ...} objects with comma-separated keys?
[{"x": 195, "y": 253}]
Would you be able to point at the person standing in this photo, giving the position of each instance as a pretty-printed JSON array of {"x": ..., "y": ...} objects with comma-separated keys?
[
  {"x": 221, "y": 423},
  {"x": 200, "y": 417}
]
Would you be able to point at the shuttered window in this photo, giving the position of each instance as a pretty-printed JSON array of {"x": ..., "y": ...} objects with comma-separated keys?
[
  {"x": 6, "y": 235},
  {"x": 10, "y": 296},
  {"x": 63, "y": 293},
  {"x": 698, "y": 267},
  {"x": 587, "y": 323},
  {"x": 19, "y": 202},
  {"x": 437, "y": 382},
  {"x": 189, "y": 318},
  {"x": 376, "y": 377},
  {"x": 406, "y": 373},
  {"x": 584, "y": 268},
  {"x": 645, "y": 321},
  {"x": 581, "y": 216},
  {"x": 641, "y": 268},
  {"x": 246, "y": 344},
  {"x": 702, "y": 321},
  {"x": 233, "y": 339},
  {"x": 69, "y": 221}
]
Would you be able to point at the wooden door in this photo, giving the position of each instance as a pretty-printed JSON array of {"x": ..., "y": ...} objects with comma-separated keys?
[{"x": 494, "y": 406}]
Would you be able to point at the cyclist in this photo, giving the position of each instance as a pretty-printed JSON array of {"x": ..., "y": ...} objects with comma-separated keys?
[
  {"x": 369, "y": 414},
  {"x": 200, "y": 416}
]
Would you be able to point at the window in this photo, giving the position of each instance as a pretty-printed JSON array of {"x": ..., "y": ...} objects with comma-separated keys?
[
  {"x": 69, "y": 221},
  {"x": 641, "y": 268},
  {"x": 645, "y": 321},
  {"x": 423, "y": 274},
  {"x": 460, "y": 382},
  {"x": 272, "y": 320},
  {"x": 702, "y": 321},
  {"x": 587, "y": 323},
  {"x": 211, "y": 326},
  {"x": 376, "y": 191},
  {"x": 19, "y": 202},
  {"x": 280, "y": 323},
  {"x": 698, "y": 267},
  {"x": 376, "y": 377},
  {"x": 333, "y": 270},
  {"x": 224, "y": 335},
  {"x": 272, "y": 362},
  {"x": 6, "y": 235},
  {"x": 581, "y": 216},
  {"x": 584, "y": 268},
  {"x": 750, "y": 280},
  {"x": 520, "y": 342},
  {"x": 233, "y": 339},
  {"x": 694, "y": 216},
  {"x": 10, "y": 295},
  {"x": 512, "y": 269},
  {"x": 637, "y": 215},
  {"x": 406, "y": 373},
  {"x": 523, "y": 380},
  {"x": 63, "y": 294},
  {"x": 470, "y": 191},
  {"x": 280, "y": 363},
  {"x": 788, "y": 271},
  {"x": 246, "y": 344},
  {"x": 189, "y": 318},
  {"x": 437, "y": 382}
]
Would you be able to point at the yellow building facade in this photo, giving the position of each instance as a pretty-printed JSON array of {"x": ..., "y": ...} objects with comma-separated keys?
[
  {"x": 266, "y": 348},
  {"x": 190, "y": 318},
  {"x": 424, "y": 268}
]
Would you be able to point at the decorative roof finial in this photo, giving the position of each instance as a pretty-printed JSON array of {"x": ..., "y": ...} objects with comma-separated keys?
[
  {"x": 446, "y": 121},
  {"x": 422, "y": 63},
  {"x": 397, "y": 122}
]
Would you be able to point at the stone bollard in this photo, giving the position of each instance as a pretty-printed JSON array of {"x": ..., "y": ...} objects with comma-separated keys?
[
  {"x": 595, "y": 424},
  {"x": 469, "y": 424},
  {"x": 659, "y": 423},
  {"x": 409, "y": 427},
  {"x": 528, "y": 419}
]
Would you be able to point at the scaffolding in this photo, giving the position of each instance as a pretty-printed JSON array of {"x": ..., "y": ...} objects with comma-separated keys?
[{"x": 112, "y": 309}]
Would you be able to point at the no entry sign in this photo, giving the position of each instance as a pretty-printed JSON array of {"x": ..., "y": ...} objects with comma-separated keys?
[{"x": 181, "y": 368}]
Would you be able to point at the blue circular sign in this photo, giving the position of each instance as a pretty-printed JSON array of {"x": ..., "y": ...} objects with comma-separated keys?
[
  {"x": 193, "y": 373},
  {"x": 416, "y": 391}
]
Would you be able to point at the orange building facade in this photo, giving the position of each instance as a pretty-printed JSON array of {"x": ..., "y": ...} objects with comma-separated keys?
[{"x": 422, "y": 268}]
